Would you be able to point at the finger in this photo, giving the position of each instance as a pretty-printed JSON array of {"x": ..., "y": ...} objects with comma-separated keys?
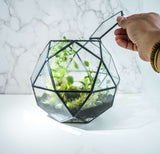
[
  {"x": 120, "y": 31},
  {"x": 122, "y": 43},
  {"x": 122, "y": 22},
  {"x": 122, "y": 37},
  {"x": 135, "y": 15},
  {"x": 141, "y": 56},
  {"x": 126, "y": 44}
]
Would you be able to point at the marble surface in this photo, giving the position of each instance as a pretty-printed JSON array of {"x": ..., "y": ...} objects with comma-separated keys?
[
  {"x": 27, "y": 25},
  {"x": 131, "y": 126}
]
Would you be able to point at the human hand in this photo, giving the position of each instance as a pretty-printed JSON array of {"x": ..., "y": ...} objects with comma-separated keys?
[{"x": 139, "y": 32}]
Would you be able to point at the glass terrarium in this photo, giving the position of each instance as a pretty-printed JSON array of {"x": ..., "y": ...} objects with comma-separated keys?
[{"x": 76, "y": 80}]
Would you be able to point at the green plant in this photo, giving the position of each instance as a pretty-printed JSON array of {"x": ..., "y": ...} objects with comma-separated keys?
[
  {"x": 61, "y": 75},
  {"x": 65, "y": 81}
]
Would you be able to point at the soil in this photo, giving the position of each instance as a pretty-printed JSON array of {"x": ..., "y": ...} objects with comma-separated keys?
[
  {"x": 85, "y": 114},
  {"x": 93, "y": 112}
]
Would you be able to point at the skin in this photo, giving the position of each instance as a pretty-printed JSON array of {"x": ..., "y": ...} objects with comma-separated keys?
[{"x": 139, "y": 32}]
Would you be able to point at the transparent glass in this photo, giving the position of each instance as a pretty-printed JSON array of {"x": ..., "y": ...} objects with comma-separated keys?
[
  {"x": 75, "y": 80},
  {"x": 97, "y": 103},
  {"x": 39, "y": 63},
  {"x": 103, "y": 80},
  {"x": 44, "y": 79},
  {"x": 106, "y": 26},
  {"x": 52, "y": 104},
  {"x": 108, "y": 61}
]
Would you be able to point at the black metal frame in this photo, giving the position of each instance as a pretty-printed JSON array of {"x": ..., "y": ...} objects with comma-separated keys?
[
  {"x": 70, "y": 42},
  {"x": 100, "y": 37}
]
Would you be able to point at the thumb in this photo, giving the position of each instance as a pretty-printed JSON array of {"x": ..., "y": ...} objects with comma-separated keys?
[{"x": 122, "y": 21}]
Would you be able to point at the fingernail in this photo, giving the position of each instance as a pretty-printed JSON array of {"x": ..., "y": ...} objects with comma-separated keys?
[{"x": 119, "y": 19}]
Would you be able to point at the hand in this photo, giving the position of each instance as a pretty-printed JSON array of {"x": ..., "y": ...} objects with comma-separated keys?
[{"x": 139, "y": 32}]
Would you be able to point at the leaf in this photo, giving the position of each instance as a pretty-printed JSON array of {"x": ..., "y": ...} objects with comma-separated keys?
[
  {"x": 86, "y": 63},
  {"x": 70, "y": 80},
  {"x": 64, "y": 38},
  {"x": 75, "y": 64},
  {"x": 85, "y": 80},
  {"x": 83, "y": 83},
  {"x": 56, "y": 76},
  {"x": 51, "y": 48},
  {"x": 91, "y": 71},
  {"x": 57, "y": 55},
  {"x": 62, "y": 72},
  {"x": 53, "y": 70},
  {"x": 60, "y": 47},
  {"x": 64, "y": 58}
]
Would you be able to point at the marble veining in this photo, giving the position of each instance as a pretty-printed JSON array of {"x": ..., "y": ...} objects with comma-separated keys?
[{"x": 26, "y": 26}]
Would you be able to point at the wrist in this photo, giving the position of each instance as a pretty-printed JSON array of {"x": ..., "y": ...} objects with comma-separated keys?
[
  {"x": 155, "y": 58},
  {"x": 158, "y": 61},
  {"x": 154, "y": 37}
]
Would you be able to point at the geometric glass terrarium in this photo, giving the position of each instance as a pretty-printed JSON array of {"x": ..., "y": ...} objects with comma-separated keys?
[{"x": 76, "y": 80}]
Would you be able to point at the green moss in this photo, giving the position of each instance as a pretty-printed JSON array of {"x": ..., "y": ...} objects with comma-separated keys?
[{"x": 65, "y": 81}]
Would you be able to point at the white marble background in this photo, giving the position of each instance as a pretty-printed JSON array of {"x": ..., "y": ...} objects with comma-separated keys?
[{"x": 27, "y": 25}]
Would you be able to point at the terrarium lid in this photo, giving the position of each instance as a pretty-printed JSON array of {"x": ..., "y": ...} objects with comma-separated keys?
[{"x": 106, "y": 26}]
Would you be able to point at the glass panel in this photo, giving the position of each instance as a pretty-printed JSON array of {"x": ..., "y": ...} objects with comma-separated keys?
[
  {"x": 103, "y": 80},
  {"x": 113, "y": 71},
  {"x": 76, "y": 64},
  {"x": 70, "y": 72},
  {"x": 108, "y": 61},
  {"x": 73, "y": 100},
  {"x": 106, "y": 26},
  {"x": 106, "y": 56},
  {"x": 56, "y": 46},
  {"x": 94, "y": 47},
  {"x": 97, "y": 103},
  {"x": 44, "y": 79},
  {"x": 39, "y": 64},
  {"x": 50, "y": 102},
  {"x": 93, "y": 62}
]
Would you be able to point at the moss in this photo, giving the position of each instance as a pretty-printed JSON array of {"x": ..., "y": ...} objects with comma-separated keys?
[{"x": 64, "y": 81}]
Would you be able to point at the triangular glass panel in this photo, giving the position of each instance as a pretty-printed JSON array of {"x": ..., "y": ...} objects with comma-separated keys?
[
  {"x": 76, "y": 64},
  {"x": 92, "y": 60},
  {"x": 71, "y": 72},
  {"x": 73, "y": 100},
  {"x": 113, "y": 71},
  {"x": 103, "y": 80},
  {"x": 82, "y": 43},
  {"x": 106, "y": 26},
  {"x": 55, "y": 46},
  {"x": 106, "y": 56},
  {"x": 108, "y": 61},
  {"x": 76, "y": 47},
  {"x": 82, "y": 77},
  {"x": 44, "y": 79},
  {"x": 96, "y": 104},
  {"x": 51, "y": 103},
  {"x": 94, "y": 47},
  {"x": 39, "y": 63}
]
